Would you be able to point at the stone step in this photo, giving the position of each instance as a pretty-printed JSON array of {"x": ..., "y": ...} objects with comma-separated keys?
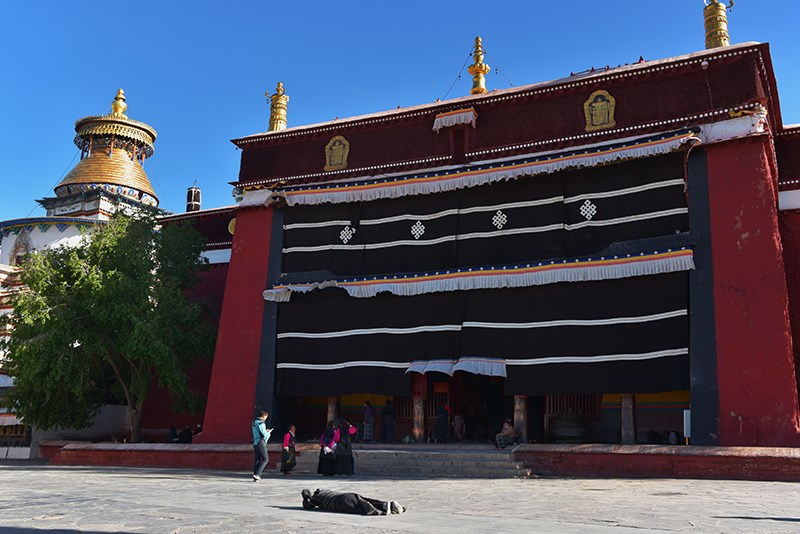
[{"x": 393, "y": 463}]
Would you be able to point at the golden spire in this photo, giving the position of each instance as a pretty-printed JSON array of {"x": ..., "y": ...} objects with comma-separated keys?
[
  {"x": 479, "y": 69},
  {"x": 118, "y": 106},
  {"x": 277, "y": 109},
  {"x": 716, "y": 23}
]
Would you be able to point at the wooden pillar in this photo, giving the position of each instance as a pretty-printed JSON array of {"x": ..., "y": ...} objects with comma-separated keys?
[
  {"x": 332, "y": 411},
  {"x": 521, "y": 417},
  {"x": 628, "y": 422},
  {"x": 419, "y": 390}
]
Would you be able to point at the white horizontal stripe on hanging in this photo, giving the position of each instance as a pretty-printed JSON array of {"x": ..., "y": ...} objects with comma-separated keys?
[
  {"x": 600, "y": 358},
  {"x": 623, "y": 220},
  {"x": 372, "y": 331},
  {"x": 481, "y": 324},
  {"x": 626, "y": 191},
  {"x": 343, "y": 365},
  {"x": 422, "y": 242},
  {"x": 579, "y": 322},
  {"x": 372, "y": 246},
  {"x": 323, "y": 224},
  {"x": 495, "y": 207},
  {"x": 464, "y": 211}
]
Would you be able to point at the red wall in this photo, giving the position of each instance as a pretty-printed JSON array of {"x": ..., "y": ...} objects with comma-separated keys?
[
  {"x": 233, "y": 378},
  {"x": 157, "y": 416},
  {"x": 790, "y": 236},
  {"x": 755, "y": 364}
]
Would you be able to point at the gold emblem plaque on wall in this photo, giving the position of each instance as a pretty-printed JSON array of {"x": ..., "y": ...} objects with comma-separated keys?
[
  {"x": 232, "y": 226},
  {"x": 599, "y": 111},
  {"x": 336, "y": 152}
]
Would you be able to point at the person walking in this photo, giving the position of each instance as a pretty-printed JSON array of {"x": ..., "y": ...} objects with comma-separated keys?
[
  {"x": 260, "y": 438},
  {"x": 288, "y": 459}
]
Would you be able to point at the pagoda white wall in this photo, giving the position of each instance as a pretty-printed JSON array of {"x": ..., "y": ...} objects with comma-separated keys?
[{"x": 41, "y": 240}]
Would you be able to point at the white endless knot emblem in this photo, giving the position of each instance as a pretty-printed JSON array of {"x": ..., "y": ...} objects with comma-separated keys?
[
  {"x": 499, "y": 219},
  {"x": 346, "y": 234},
  {"x": 588, "y": 210},
  {"x": 418, "y": 229}
]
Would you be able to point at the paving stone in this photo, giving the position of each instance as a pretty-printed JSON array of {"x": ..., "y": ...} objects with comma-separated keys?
[{"x": 35, "y": 497}]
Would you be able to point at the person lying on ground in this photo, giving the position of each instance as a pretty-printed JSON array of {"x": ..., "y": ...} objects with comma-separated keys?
[{"x": 348, "y": 503}]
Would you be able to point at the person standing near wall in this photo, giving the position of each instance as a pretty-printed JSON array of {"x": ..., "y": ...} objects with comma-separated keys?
[
  {"x": 387, "y": 423},
  {"x": 260, "y": 438},
  {"x": 369, "y": 423}
]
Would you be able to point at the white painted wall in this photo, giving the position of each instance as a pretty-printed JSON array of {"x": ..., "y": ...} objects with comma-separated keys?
[{"x": 41, "y": 240}]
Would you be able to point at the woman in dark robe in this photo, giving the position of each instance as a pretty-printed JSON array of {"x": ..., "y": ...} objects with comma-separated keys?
[
  {"x": 288, "y": 456},
  {"x": 327, "y": 458},
  {"x": 345, "y": 465}
]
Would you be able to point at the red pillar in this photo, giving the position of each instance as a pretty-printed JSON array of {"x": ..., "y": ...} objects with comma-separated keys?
[
  {"x": 232, "y": 390},
  {"x": 755, "y": 366}
]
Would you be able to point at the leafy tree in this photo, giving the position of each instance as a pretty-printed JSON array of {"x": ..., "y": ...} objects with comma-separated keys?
[{"x": 105, "y": 320}]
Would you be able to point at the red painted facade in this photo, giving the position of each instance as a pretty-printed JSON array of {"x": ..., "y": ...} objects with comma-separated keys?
[
  {"x": 231, "y": 394},
  {"x": 755, "y": 362},
  {"x": 757, "y": 382}
]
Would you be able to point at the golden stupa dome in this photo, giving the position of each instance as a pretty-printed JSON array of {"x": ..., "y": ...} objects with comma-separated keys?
[{"x": 113, "y": 149}]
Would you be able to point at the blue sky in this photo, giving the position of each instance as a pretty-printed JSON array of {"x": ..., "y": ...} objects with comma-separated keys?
[{"x": 197, "y": 71}]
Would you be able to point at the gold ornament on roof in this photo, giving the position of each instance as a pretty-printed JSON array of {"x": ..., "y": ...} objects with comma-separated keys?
[
  {"x": 716, "y": 23},
  {"x": 599, "y": 111},
  {"x": 479, "y": 69},
  {"x": 118, "y": 106},
  {"x": 277, "y": 109}
]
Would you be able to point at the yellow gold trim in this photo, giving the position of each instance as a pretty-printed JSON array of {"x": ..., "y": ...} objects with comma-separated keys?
[
  {"x": 336, "y": 152},
  {"x": 599, "y": 111},
  {"x": 232, "y": 226}
]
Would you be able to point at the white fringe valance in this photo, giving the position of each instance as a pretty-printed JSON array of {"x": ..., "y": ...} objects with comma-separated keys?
[
  {"x": 377, "y": 189},
  {"x": 453, "y": 118},
  {"x": 534, "y": 274},
  {"x": 476, "y": 366}
]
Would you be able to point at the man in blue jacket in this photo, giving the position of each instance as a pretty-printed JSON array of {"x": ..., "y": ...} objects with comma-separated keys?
[{"x": 260, "y": 438}]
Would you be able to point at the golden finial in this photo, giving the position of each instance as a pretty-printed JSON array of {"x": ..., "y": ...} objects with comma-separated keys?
[
  {"x": 479, "y": 69},
  {"x": 277, "y": 108},
  {"x": 716, "y": 23},
  {"x": 118, "y": 106}
]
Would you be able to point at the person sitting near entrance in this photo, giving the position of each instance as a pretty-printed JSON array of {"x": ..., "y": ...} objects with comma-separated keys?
[
  {"x": 441, "y": 427},
  {"x": 349, "y": 503},
  {"x": 507, "y": 436}
]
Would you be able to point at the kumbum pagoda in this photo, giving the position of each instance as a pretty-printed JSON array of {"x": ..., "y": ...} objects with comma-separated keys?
[
  {"x": 615, "y": 246},
  {"x": 109, "y": 177}
]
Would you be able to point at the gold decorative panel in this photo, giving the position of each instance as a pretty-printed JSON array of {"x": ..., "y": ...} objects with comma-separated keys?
[
  {"x": 599, "y": 111},
  {"x": 336, "y": 152}
]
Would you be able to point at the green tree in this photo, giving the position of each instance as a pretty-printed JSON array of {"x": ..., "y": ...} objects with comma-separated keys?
[{"x": 105, "y": 320}]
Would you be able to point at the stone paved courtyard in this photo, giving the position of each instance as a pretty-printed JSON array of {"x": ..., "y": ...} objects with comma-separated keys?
[{"x": 41, "y": 498}]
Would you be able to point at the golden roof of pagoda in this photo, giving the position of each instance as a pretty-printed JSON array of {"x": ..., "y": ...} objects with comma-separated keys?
[
  {"x": 100, "y": 168},
  {"x": 115, "y": 124}
]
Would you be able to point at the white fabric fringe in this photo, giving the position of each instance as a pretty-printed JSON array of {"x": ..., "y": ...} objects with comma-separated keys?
[
  {"x": 406, "y": 187},
  {"x": 495, "y": 278},
  {"x": 445, "y": 120}
]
